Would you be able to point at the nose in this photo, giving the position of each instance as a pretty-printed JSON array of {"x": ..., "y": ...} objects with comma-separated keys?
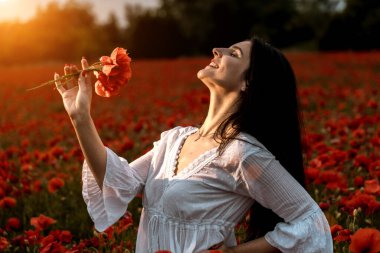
[{"x": 217, "y": 52}]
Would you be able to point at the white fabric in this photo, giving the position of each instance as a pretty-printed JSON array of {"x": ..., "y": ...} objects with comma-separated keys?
[{"x": 200, "y": 206}]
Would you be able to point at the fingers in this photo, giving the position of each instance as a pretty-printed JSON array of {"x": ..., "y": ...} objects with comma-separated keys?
[
  {"x": 84, "y": 80},
  {"x": 70, "y": 69},
  {"x": 70, "y": 82},
  {"x": 74, "y": 69},
  {"x": 84, "y": 72},
  {"x": 82, "y": 83},
  {"x": 84, "y": 63},
  {"x": 58, "y": 84},
  {"x": 67, "y": 71}
]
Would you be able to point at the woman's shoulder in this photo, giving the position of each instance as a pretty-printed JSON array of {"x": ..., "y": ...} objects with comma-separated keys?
[
  {"x": 247, "y": 152},
  {"x": 243, "y": 146},
  {"x": 248, "y": 145}
]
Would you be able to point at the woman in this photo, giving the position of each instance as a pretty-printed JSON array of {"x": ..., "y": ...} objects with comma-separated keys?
[{"x": 199, "y": 183}]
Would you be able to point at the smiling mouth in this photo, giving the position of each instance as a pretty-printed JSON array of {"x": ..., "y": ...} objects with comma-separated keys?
[{"x": 213, "y": 65}]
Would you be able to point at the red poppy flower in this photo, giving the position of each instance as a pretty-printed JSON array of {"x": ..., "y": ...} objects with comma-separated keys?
[
  {"x": 372, "y": 104},
  {"x": 41, "y": 222},
  {"x": 55, "y": 184},
  {"x": 3, "y": 243},
  {"x": 343, "y": 236},
  {"x": 12, "y": 223},
  {"x": 372, "y": 187},
  {"x": 127, "y": 144},
  {"x": 335, "y": 229},
  {"x": 324, "y": 205},
  {"x": 7, "y": 202},
  {"x": 47, "y": 240},
  {"x": 57, "y": 151},
  {"x": 311, "y": 173},
  {"x": 362, "y": 160},
  {"x": 36, "y": 185},
  {"x": 124, "y": 223},
  {"x": 53, "y": 247},
  {"x": 358, "y": 181},
  {"x": 366, "y": 202},
  {"x": 115, "y": 73},
  {"x": 374, "y": 169},
  {"x": 33, "y": 237},
  {"x": 359, "y": 133},
  {"x": 65, "y": 236},
  {"x": 365, "y": 240},
  {"x": 375, "y": 141}
]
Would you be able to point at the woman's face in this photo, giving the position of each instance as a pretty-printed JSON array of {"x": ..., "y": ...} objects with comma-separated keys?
[{"x": 228, "y": 67}]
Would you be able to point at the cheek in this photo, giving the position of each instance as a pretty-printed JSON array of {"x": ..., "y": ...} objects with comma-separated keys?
[
  {"x": 234, "y": 73},
  {"x": 232, "y": 66}
]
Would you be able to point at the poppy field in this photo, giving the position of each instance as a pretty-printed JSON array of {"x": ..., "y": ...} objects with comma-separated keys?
[{"x": 41, "y": 206}]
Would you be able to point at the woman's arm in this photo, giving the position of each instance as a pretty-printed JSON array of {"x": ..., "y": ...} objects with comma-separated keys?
[
  {"x": 305, "y": 228},
  {"x": 77, "y": 102},
  {"x": 92, "y": 147}
]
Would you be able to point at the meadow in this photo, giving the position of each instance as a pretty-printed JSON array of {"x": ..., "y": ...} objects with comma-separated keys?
[{"x": 41, "y": 206}]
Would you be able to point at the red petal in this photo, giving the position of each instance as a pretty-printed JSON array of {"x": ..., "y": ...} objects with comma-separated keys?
[
  {"x": 108, "y": 69},
  {"x": 99, "y": 89},
  {"x": 371, "y": 186},
  {"x": 365, "y": 240},
  {"x": 106, "y": 60}
]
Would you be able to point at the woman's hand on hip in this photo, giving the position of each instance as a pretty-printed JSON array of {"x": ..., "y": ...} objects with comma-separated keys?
[{"x": 76, "y": 98}]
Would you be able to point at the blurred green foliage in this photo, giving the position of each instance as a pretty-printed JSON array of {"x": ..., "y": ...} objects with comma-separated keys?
[{"x": 182, "y": 27}]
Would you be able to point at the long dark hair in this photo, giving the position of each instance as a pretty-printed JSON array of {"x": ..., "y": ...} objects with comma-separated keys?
[{"x": 268, "y": 110}]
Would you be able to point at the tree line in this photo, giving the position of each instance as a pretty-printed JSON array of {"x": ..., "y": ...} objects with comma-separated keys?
[{"x": 182, "y": 28}]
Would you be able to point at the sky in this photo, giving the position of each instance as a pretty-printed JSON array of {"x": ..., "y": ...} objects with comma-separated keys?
[{"x": 22, "y": 10}]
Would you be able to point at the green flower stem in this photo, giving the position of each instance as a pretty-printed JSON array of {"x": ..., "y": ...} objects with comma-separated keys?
[{"x": 94, "y": 67}]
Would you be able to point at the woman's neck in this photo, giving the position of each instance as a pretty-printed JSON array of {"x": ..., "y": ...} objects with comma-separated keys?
[{"x": 221, "y": 106}]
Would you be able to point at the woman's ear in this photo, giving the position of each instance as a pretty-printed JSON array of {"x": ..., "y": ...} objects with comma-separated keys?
[{"x": 243, "y": 86}]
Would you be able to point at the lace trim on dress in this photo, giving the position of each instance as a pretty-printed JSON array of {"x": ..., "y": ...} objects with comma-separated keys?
[{"x": 197, "y": 164}]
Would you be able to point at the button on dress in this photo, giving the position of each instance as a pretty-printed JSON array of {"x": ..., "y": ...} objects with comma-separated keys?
[{"x": 201, "y": 205}]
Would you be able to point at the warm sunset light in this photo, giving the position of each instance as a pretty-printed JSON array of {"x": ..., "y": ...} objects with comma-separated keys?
[
  {"x": 148, "y": 126},
  {"x": 23, "y": 10},
  {"x": 16, "y": 10}
]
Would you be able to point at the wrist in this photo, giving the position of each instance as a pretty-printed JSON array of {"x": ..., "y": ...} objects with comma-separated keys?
[{"x": 79, "y": 119}]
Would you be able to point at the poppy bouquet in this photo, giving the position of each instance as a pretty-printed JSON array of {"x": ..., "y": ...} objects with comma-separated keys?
[{"x": 112, "y": 73}]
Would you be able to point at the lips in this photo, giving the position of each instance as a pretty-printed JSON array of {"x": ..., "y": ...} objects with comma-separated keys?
[{"x": 213, "y": 64}]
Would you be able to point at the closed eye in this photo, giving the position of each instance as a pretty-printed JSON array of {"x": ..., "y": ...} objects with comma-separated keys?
[
  {"x": 234, "y": 54},
  {"x": 237, "y": 51}
]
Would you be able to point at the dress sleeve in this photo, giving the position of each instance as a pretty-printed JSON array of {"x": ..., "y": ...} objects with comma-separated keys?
[
  {"x": 305, "y": 228},
  {"x": 122, "y": 182}
]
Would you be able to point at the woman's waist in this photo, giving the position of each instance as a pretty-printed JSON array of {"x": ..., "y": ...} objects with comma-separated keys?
[{"x": 197, "y": 224}]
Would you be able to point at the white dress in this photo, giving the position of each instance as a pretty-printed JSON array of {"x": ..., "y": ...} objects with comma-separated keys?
[{"x": 201, "y": 205}]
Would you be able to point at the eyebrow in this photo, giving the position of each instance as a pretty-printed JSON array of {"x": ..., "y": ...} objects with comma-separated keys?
[{"x": 238, "y": 48}]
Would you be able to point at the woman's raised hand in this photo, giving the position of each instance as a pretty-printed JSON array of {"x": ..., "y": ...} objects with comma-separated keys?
[
  {"x": 77, "y": 102},
  {"x": 76, "y": 98}
]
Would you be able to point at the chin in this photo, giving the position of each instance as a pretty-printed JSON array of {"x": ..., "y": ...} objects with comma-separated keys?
[{"x": 201, "y": 74}]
